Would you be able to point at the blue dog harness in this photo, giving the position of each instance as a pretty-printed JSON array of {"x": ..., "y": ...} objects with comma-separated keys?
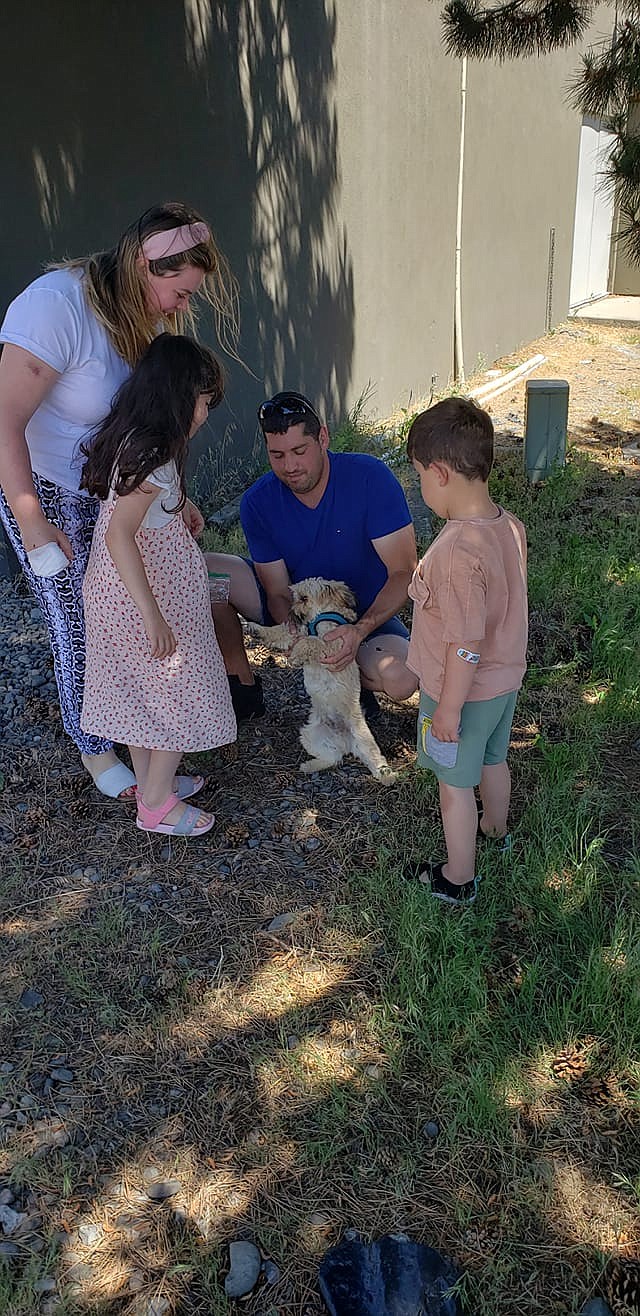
[{"x": 326, "y": 616}]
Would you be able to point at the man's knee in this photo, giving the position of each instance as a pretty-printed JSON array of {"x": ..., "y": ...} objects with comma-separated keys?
[
  {"x": 383, "y": 665},
  {"x": 244, "y": 595},
  {"x": 398, "y": 682}
]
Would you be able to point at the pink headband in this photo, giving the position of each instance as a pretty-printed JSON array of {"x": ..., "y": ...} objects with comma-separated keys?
[{"x": 171, "y": 241}]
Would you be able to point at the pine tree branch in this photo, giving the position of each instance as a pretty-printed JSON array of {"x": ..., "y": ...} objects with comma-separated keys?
[
  {"x": 609, "y": 77},
  {"x": 624, "y": 171},
  {"x": 605, "y": 87},
  {"x": 629, "y": 234},
  {"x": 513, "y": 30}
]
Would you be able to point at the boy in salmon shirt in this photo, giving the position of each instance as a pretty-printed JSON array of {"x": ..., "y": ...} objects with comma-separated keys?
[{"x": 468, "y": 639}]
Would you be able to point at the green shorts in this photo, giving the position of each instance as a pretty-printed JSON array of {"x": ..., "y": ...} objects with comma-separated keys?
[{"x": 484, "y": 737}]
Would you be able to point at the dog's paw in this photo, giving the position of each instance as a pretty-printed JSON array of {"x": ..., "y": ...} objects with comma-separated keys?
[{"x": 386, "y": 775}]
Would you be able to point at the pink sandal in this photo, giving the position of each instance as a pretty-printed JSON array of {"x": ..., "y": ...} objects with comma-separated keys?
[{"x": 150, "y": 820}]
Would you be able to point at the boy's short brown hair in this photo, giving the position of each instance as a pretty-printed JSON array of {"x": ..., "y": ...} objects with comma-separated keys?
[{"x": 456, "y": 432}]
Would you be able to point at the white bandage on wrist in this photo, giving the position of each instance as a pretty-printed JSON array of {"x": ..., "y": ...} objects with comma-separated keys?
[{"x": 467, "y": 656}]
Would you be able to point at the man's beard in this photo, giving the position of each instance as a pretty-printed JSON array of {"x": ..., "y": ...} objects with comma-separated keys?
[{"x": 303, "y": 484}]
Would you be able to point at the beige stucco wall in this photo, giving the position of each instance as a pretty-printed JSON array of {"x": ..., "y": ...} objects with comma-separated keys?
[
  {"x": 321, "y": 139},
  {"x": 398, "y": 109},
  {"x": 521, "y": 162}
]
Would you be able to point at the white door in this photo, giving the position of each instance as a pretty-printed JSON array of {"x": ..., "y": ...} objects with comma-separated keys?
[{"x": 594, "y": 216}]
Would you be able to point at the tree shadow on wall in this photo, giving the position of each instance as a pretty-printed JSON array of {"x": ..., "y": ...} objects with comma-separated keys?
[{"x": 228, "y": 105}]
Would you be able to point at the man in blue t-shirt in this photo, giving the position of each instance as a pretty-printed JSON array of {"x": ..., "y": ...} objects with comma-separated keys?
[{"x": 343, "y": 516}]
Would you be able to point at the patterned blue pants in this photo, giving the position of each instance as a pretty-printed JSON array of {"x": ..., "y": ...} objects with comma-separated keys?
[{"x": 60, "y": 598}]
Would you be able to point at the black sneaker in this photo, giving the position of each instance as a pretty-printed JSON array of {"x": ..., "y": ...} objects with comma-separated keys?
[
  {"x": 247, "y": 700},
  {"x": 430, "y": 875},
  {"x": 502, "y": 844},
  {"x": 451, "y": 892}
]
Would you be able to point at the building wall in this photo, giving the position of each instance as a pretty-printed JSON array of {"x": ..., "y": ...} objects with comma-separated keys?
[
  {"x": 321, "y": 139},
  {"x": 521, "y": 162},
  {"x": 398, "y": 103}
]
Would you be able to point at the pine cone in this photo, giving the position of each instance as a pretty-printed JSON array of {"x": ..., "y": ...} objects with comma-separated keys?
[
  {"x": 597, "y": 1091},
  {"x": 80, "y": 808},
  {"x": 236, "y": 833},
  {"x": 386, "y": 1158},
  {"x": 25, "y": 841},
  {"x": 35, "y": 818},
  {"x": 78, "y": 785},
  {"x": 476, "y": 1245},
  {"x": 622, "y": 1286},
  {"x": 570, "y": 1065}
]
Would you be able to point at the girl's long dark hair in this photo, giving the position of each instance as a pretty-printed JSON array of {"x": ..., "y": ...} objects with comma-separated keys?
[{"x": 151, "y": 417}]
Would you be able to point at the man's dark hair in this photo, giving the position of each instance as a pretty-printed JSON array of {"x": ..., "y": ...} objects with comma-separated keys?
[
  {"x": 456, "y": 432},
  {"x": 288, "y": 408}
]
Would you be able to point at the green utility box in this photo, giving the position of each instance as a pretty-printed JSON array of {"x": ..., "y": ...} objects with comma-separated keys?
[{"x": 545, "y": 436}]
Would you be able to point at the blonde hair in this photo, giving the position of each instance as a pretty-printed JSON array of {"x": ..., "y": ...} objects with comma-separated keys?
[{"x": 116, "y": 287}]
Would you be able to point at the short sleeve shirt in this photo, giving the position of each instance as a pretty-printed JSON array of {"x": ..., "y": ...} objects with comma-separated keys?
[
  {"x": 53, "y": 321},
  {"x": 363, "y": 501},
  {"x": 470, "y": 589},
  {"x": 164, "y": 507}
]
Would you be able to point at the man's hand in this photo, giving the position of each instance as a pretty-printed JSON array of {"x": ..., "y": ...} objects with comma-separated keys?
[
  {"x": 193, "y": 519},
  {"x": 445, "y": 723},
  {"x": 350, "y": 640}
]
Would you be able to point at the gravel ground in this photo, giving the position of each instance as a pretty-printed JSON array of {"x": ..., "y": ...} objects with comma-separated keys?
[{"x": 26, "y": 667}]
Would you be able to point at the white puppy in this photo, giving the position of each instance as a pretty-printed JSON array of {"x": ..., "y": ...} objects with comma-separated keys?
[{"x": 336, "y": 724}]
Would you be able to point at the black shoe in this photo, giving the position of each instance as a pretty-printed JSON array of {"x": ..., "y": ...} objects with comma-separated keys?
[
  {"x": 247, "y": 700},
  {"x": 430, "y": 875},
  {"x": 451, "y": 892},
  {"x": 369, "y": 704},
  {"x": 502, "y": 844}
]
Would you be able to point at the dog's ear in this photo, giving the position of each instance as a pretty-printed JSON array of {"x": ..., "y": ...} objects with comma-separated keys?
[
  {"x": 343, "y": 599},
  {"x": 300, "y": 608}
]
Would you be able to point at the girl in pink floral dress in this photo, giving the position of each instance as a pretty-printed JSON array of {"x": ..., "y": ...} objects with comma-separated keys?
[{"x": 155, "y": 679}]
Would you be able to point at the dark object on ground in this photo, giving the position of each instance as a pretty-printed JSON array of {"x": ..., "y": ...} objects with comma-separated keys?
[
  {"x": 247, "y": 700},
  {"x": 393, "y": 1277},
  {"x": 244, "y": 1268},
  {"x": 369, "y": 704}
]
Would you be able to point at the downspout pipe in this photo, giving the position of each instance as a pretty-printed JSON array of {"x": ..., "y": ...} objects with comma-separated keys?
[{"x": 458, "y": 352}]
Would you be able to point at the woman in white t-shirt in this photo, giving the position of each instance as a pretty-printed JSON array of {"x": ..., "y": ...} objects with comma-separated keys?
[
  {"x": 70, "y": 340},
  {"x": 155, "y": 679}
]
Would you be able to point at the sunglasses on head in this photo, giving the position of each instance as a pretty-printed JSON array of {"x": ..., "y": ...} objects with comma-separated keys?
[{"x": 277, "y": 415}]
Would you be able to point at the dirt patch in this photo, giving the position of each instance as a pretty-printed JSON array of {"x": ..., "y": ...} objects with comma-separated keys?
[{"x": 602, "y": 365}]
